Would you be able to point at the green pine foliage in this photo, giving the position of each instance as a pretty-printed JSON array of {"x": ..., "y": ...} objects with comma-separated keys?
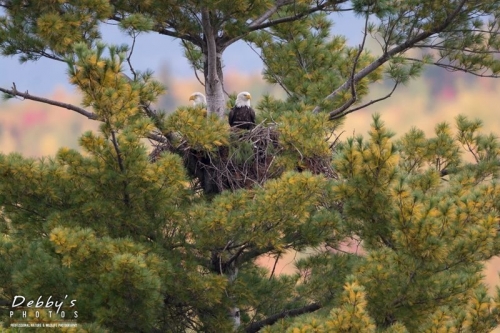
[
  {"x": 391, "y": 234},
  {"x": 199, "y": 130},
  {"x": 140, "y": 251},
  {"x": 296, "y": 55}
]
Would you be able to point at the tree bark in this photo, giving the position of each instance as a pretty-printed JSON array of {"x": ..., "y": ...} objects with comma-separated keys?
[
  {"x": 256, "y": 326},
  {"x": 214, "y": 89}
]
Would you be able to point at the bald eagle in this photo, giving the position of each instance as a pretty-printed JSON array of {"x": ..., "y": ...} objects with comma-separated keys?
[
  {"x": 242, "y": 115},
  {"x": 198, "y": 99}
]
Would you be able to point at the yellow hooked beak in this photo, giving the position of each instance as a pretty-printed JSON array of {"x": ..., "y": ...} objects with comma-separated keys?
[
  {"x": 192, "y": 98},
  {"x": 248, "y": 96}
]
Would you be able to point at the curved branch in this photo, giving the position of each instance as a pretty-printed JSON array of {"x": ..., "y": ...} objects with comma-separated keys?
[
  {"x": 256, "y": 326},
  {"x": 390, "y": 53},
  {"x": 278, "y": 80},
  {"x": 291, "y": 18},
  {"x": 88, "y": 114},
  {"x": 260, "y": 23},
  {"x": 452, "y": 68},
  {"x": 161, "y": 138},
  {"x": 261, "y": 19},
  {"x": 213, "y": 81},
  {"x": 126, "y": 196},
  {"x": 354, "y": 95},
  {"x": 174, "y": 34},
  {"x": 26, "y": 95},
  {"x": 340, "y": 115},
  {"x": 164, "y": 31},
  {"x": 132, "y": 70}
]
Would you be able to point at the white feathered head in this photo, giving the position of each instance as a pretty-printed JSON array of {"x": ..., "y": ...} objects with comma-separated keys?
[
  {"x": 243, "y": 99},
  {"x": 198, "y": 99}
]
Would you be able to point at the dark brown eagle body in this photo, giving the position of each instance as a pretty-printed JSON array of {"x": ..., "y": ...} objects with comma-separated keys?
[{"x": 242, "y": 115}]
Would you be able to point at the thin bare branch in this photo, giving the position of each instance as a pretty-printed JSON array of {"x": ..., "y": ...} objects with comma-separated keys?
[
  {"x": 334, "y": 143},
  {"x": 354, "y": 96},
  {"x": 452, "y": 68},
  {"x": 392, "y": 52},
  {"x": 365, "y": 105},
  {"x": 449, "y": 48},
  {"x": 235, "y": 256},
  {"x": 261, "y": 19},
  {"x": 472, "y": 149},
  {"x": 291, "y": 18},
  {"x": 163, "y": 31},
  {"x": 45, "y": 55},
  {"x": 26, "y": 95},
  {"x": 117, "y": 150},
  {"x": 134, "y": 37},
  {"x": 126, "y": 197},
  {"x": 195, "y": 70},
  {"x": 274, "y": 266},
  {"x": 276, "y": 77},
  {"x": 88, "y": 114},
  {"x": 174, "y": 34},
  {"x": 267, "y": 24},
  {"x": 256, "y": 326}
]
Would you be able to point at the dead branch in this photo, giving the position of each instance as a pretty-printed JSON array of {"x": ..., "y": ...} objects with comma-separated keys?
[{"x": 26, "y": 95}]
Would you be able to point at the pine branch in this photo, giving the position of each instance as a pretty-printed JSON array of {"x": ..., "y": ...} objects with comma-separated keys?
[
  {"x": 274, "y": 266},
  {"x": 163, "y": 31},
  {"x": 126, "y": 196},
  {"x": 256, "y": 326},
  {"x": 39, "y": 54},
  {"x": 260, "y": 23},
  {"x": 295, "y": 17},
  {"x": 235, "y": 256},
  {"x": 88, "y": 114},
  {"x": 156, "y": 120},
  {"x": 452, "y": 68},
  {"x": 354, "y": 96},
  {"x": 270, "y": 12},
  {"x": 213, "y": 82},
  {"x": 340, "y": 115},
  {"x": 26, "y": 95},
  {"x": 392, "y": 52},
  {"x": 449, "y": 48},
  {"x": 174, "y": 34},
  {"x": 276, "y": 77},
  {"x": 132, "y": 70}
]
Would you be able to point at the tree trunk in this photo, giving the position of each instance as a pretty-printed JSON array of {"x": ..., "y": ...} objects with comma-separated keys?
[{"x": 216, "y": 103}]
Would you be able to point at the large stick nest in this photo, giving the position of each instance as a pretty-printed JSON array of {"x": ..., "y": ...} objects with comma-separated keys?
[{"x": 251, "y": 158}]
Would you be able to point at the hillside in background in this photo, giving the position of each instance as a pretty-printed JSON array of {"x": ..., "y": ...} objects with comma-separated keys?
[
  {"x": 36, "y": 129},
  {"x": 435, "y": 97}
]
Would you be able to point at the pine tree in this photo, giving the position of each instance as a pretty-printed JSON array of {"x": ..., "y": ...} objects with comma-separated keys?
[{"x": 167, "y": 241}]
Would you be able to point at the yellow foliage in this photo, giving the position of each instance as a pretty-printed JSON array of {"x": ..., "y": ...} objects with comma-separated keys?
[
  {"x": 199, "y": 130},
  {"x": 351, "y": 316}
]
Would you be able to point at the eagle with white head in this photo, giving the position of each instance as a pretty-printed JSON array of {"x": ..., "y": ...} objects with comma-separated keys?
[
  {"x": 198, "y": 99},
  {"x": 242, "y": 115}
]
